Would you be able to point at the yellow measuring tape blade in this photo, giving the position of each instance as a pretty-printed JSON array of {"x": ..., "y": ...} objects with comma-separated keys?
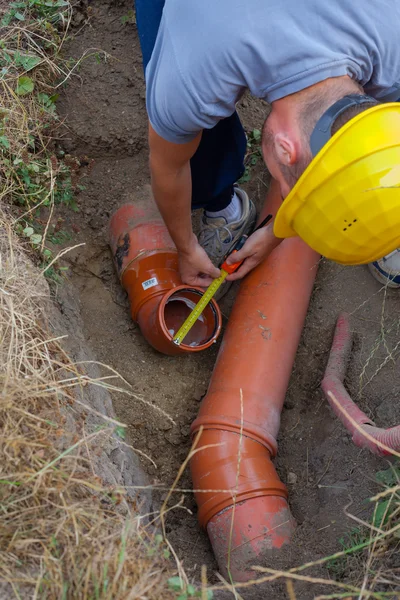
[{"x": 198, "y": 309}]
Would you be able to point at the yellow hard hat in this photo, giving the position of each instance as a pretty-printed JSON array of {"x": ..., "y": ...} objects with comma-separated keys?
[{"x": 346, "y": 205}]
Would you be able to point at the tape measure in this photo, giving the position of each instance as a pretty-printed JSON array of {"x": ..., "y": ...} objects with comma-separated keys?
[
  {"x": 213, "y": 287},
  {"x": 199, "y": 308}
]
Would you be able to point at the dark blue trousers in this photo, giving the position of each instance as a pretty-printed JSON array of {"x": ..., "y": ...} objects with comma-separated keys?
[{"x": 218, "y": 162}]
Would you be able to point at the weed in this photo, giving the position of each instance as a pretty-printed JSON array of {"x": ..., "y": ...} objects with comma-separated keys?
[
  {"x": 129, "y": 18},
  {"x": 33, "y": 178},
  {"x": 385, "y": 508},
  {"x": 120, "y": 432},
  {"x": 253, "y": 154},
  {"x": 356, "y": 542},
  {"x": 52, "y": 11},
  {"x": 348, "y": 542},
  {"x": 176, "y": 584}
]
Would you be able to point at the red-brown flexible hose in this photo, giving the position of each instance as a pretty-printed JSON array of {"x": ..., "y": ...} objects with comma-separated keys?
[{"x": 364, "y": 431}]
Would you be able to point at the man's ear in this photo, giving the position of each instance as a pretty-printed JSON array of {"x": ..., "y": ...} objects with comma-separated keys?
[{"x": 286, "y": 149}]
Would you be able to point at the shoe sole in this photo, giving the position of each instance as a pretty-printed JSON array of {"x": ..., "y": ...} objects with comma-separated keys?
[{"x": 392, "y": 281}]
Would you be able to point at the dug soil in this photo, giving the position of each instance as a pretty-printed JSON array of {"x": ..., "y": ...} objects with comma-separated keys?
[{"x": 106, "y": 128}]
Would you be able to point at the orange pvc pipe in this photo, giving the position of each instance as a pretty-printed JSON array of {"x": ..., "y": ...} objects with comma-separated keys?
[
  {"x": 244, "y": 504},
  {"x": 147, "y": 264}
]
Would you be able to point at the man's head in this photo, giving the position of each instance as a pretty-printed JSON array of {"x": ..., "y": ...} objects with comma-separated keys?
[{"x": 288, "y": 128}]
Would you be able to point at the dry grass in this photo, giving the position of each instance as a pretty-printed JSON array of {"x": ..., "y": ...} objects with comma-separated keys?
[
  {"x": 62, "y": 533},
  {"x": 377, "y": 575}
]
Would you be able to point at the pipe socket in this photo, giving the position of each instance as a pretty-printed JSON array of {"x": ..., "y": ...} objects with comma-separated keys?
[{"x": 146, "y": 261}]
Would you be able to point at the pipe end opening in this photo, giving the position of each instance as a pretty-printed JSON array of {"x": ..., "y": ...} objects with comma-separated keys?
[{"x": 178, "y": 306}]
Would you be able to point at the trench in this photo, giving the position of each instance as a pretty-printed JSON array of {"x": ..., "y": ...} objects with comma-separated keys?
[{"x": 105, "y": 127}]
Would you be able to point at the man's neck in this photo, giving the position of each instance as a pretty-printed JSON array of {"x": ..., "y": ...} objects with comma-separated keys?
[{"x": 329, "y": 91}]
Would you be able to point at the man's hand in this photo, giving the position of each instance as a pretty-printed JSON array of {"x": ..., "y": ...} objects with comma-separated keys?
[
  {"x": 195, "y": 266},
  {"x": 259, "y": 245}
]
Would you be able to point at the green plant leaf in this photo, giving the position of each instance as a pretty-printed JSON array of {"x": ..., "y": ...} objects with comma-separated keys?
[
  {"x": 36, "y": 238},
  {"x": 19, "y": 16},
  {"x": 256, "y": 134},
  {"x": 7, "y": 19},
  {"x": 28, "y": 231},
  {"x": 388, "y": 477},
  {"x": 29, "y": 62},
  {"x": 121, "y": 432},
  {"x": 57, "y": 4},
  {"x": 42, "y": 97},
  {"x": 175, "y": 583},
  {"x": 382, "y": 513},
  {"x": 191, "y": 590},
  {"x": 25, "y": 86},
  {"x": 4, "y": 141}
]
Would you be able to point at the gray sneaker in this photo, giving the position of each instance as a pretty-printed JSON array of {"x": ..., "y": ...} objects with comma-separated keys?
[
  {"x": 387, "y": 269},
  {"x": 217, "y": 235}
]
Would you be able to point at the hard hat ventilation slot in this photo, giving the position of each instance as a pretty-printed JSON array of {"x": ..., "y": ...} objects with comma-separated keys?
[{"x": 349, "y": 224}]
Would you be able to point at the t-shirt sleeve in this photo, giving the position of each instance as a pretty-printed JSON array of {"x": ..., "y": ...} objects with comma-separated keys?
[{"x": 174, "y": 110}]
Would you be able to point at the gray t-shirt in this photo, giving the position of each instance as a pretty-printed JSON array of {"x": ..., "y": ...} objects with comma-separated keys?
[{"x": 208, "y": 52}]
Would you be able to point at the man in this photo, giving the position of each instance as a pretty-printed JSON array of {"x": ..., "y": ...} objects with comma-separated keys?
[{"x": 301, "y": 56}]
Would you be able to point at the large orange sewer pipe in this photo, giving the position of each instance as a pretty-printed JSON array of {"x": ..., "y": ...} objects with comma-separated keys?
[{"x": 244, "y": 504}]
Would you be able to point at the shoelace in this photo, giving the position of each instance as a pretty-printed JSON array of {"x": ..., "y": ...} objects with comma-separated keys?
[{"x": 207, "y": 235}]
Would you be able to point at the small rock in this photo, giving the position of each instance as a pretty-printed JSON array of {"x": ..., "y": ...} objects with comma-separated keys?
[
  {"x": 151, "y": 469},
  {"x": 292, "y": 478},
  {"x": 96, "y": 222},
  {"x": 185, "y": 430},
  {"x": 165, "y": 425},
  {"x": 173, "y": 437},
  {"x": 199, "y": 392}
]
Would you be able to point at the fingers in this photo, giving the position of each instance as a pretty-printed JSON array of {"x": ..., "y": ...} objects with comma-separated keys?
[
  {"x": 199, "y": 281},
  {"x": 197, "y": 269},
  {"x": 252, "y": 245},
  {"x": 214, "y": 272},
  {"x": 245, "y": 268},
  {"x": 239, "y": 256},
  {"x": 207, "y": 268}
]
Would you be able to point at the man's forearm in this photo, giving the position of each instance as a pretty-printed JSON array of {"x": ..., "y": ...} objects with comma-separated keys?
[
  {"x": 172, "y": 193},
  {"x": 171, "y": 181}
]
